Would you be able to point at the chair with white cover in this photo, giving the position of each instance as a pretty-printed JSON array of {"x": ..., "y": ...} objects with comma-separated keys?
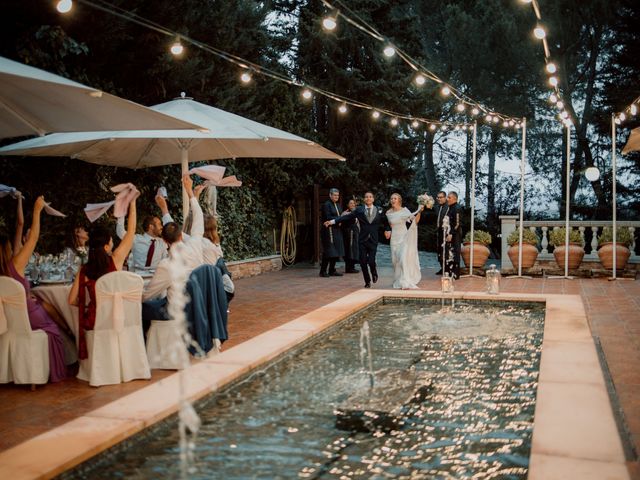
[
  {"x": 24, "y": 353},
  {"x": 165, "y": 348},
  {"x": 115, "y": 346}
]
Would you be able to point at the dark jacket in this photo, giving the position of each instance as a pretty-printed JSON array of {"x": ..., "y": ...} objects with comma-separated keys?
[
  {"x": 455, "y": 221},
  {"x": 332, "y": 242},
  {"x": 368, "y": 229}
]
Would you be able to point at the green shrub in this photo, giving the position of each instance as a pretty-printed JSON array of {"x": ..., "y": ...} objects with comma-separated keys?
[
  {"x": 479, "y": 236},
  {"x": 623, "y": 235},
  {"x": 527, "y": 237},
  {"x": 557, "y": 237}
]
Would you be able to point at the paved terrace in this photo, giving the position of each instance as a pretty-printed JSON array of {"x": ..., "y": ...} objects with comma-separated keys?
[{"x": 273, "y": 299}]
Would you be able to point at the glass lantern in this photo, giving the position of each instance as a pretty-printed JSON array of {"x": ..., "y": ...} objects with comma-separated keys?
[
  {"x": 493, "y": 280},
  {"x": 447, "y": 284}
]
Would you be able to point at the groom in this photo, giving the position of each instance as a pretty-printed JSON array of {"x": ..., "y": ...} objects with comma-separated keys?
[{"x": 371, "y": 218}]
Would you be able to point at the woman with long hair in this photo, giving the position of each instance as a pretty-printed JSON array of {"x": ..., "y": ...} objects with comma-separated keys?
[
  {"x": 211, "y": 250},
  {"x": 404, "y": 244},
  {"x": 102, "y": 259},
  {"x": 77, "y": 243},
  {"x": 13, "y": 264}
]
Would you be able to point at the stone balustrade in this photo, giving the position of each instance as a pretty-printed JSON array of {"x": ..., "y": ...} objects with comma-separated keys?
[{"x": 589, "y": 231}]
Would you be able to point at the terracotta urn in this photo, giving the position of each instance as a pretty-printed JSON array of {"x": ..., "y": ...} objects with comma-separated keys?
[
  {"x": 529, "y": 255},
  {"x": 480, "y": 254},
  {"x": 576, "y": 252},
  {"x": 605, "y": 253}
]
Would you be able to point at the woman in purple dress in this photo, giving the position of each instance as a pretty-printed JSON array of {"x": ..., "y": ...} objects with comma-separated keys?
[{"x": 13, "y": 265}]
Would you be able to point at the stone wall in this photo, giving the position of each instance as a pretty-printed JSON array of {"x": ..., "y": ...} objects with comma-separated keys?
[{"x": 254, "y": 266}]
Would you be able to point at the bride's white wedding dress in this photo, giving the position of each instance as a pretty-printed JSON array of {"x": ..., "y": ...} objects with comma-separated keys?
[{"x": 404, "y": 249}]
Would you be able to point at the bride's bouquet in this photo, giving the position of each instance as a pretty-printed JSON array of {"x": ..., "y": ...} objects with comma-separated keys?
[{"x": 426, "y": 200}]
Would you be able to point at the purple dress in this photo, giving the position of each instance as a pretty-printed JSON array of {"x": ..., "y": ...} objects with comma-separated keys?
[{"x": 40, "y": 320}]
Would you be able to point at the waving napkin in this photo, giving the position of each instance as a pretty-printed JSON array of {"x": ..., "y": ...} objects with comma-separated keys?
[
  {"x": 230, "y": 181},
  {"x": 52, "y": 211},
  {"x": 125, "y": 194},
  {"x": 209, "y": 172},
  {"x": 7, "y": 190}
]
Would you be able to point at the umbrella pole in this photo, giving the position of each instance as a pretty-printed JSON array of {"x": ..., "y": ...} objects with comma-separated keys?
[
  {"x": 214, "y": 200},
  {"x": 184, "y": 162},
  {"x": 521, "y": 220},
  {"x": 613, "y": 193},
  {"x": 473, "y": 196}
]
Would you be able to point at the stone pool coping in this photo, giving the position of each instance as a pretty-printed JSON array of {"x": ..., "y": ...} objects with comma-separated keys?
[{"x": 574, "y": 436}]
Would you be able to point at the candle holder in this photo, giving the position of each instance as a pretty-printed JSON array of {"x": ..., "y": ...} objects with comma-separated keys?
[
  {"x": 493, "y": 281},
  {"x": 447, "y": 284}
]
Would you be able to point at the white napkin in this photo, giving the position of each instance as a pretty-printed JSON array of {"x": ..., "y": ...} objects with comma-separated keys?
[
  {"x": 230, "y": 181},
  {"x": 6, "y": 190},
  {"x": 126, "y": 193},
  {"x": 209, "y": 172},
  {"x": 52, "y": 211},
  {"x": 94, "y": 211}
]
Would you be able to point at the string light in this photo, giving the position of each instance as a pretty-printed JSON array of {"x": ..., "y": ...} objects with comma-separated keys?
[
  {"x": 496, "y": 120},
  {"x": 176, "y": 48},
  {"x": 329, "y": 23},
  {"x": 488, "y": 118},
  {"x": 394, "y": 122},
  {"x": 633, "y": 109},
  {"x": 551, "y": 67},
  {"x": 342, "y": 109},
  {"x": 622, "y": 117},
  {"x": 389, "y": 51},
  {"x": 560, "y": 104},
  {"x": 432, "y": 127},
  {"x": 553, "y": 81},
  {"x": 375, "y": 114},
  {"x": 420, "y": 80},
  {"x": 64, "y": 6},
  {"x": 539, "y": 33},
  {"x": 415, "y": 124},
  {"x": 553, "y": 98},
  {"x": 475, "y": 111},
  {"x": 306, "y": 94},
  {"x": 445, "y": 91},
  {"x": 245, "y": 77},
  {"x": 460, "y": 107}
]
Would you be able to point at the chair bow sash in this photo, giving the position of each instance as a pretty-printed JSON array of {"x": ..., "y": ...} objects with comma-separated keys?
[
  {"x": 118, "y": 299},
  {"x": 16, "y": 300}
]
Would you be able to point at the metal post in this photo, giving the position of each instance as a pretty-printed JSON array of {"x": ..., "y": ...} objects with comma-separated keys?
[
  {"x": 522, "y": 170},
  {"x": 614, "y": 181},
  {"x": 473, "y": 193},
  {"x": 567, "y": 210},
  {"x": 184, "y": 161}
]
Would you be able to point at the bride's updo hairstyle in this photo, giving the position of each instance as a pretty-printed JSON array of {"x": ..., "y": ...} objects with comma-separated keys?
[{"x": 397, "y": 195}]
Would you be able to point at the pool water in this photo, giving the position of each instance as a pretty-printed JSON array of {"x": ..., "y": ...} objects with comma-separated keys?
[{"x": 481, "y": 361}]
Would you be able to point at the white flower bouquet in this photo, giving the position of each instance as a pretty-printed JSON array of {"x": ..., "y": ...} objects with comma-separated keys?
[{"x": 426, "y": 200}]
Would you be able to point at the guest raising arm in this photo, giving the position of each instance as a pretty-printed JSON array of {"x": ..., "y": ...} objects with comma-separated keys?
[
  {"x": 13, "y": 266},
  {"x": 17, "y": 238}
]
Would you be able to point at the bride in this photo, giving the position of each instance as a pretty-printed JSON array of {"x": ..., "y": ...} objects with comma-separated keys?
[{"x": 404, "y": 244}]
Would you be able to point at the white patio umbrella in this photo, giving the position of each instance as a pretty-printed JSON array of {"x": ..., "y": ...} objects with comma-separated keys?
[
  {"x": 35, "y": 102},
  {"x": 633, "y": 144},
  {"x": 229, "y": 136}
]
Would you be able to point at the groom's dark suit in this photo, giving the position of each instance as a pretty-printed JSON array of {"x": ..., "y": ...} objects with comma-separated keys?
[{"x": 370, "y": 222}]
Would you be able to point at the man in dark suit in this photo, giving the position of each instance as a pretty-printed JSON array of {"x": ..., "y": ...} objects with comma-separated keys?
[
  {"x": 370, "y": 218},
  {"x": 441, "y": 198},
  {"x": 454, "y": 239},
  {"x": 331, "y": 237}
]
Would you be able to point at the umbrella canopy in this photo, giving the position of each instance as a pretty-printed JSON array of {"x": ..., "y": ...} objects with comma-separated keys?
[
  {"x": 228, "y": 136},
  {"x": 35, "y": 102},
  {"x": 633, "y": 144}
]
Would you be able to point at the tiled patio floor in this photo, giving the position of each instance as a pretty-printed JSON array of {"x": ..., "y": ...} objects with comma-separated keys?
[{"x": 270, "y": 300}]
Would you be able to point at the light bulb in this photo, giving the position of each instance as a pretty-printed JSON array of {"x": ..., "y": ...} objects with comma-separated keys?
[
  {"x": 551, "y": 67},
  {"x": 389, "y": 51},
  {"x": 245, "y": 77},
  {"x": 445, "y": 91},
  {"x": 511, "y": 123},
  {"x": 488, "y": 118},
  {"x": 496, "y": 120},
  {"x": 394, "y": 122},
  {"x": 443, "y": 128},
  {"x": 633, "y": 109},
  {"x": 622, "y": 117},
  {"x": 505, "y": 124},
  {"x": 560, "y": 104},
  {"x": 539, "y": 33},
  {"x": 329, "y": 23},
  {"x": 420, "y": 80},
  {"x": 618, "y": 122},
  {"x": 375, "y": 114},
  {"x": 553, "y": 98},
  {"x": 518, "y": 126},
  {"x": 64, "y": 6},
  {"x": 464, "y": 127},
  {"x": 553, "y": 81},
  {"x": 564, "y": 114},
  {"x": 592, "y": 174},
  {"x": 306, "y": 94},
  {"x": 475, "y": 111},
  {"x": 177, "y": 48},
  {"x": 457, "y": 128},
  {"x": 415, "y": 124},
  {"x": 460, "y": 107},
  {"x": 342, "y": 108},
  {"x": 432, "y": 127}
]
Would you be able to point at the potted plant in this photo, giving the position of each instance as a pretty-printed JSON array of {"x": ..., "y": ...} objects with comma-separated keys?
[
  {"x": 576, "y": 252},
  {"x": 605, "y": 247},
  {"x": 529, "y": 247},
  {"x": 481, "y": 240}
]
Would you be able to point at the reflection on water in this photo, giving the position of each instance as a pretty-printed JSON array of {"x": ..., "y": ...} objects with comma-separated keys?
[{"x": 476, "y": 421}]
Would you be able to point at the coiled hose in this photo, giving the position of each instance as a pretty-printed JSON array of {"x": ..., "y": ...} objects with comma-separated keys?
[{"x": 288, "y": 236}]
